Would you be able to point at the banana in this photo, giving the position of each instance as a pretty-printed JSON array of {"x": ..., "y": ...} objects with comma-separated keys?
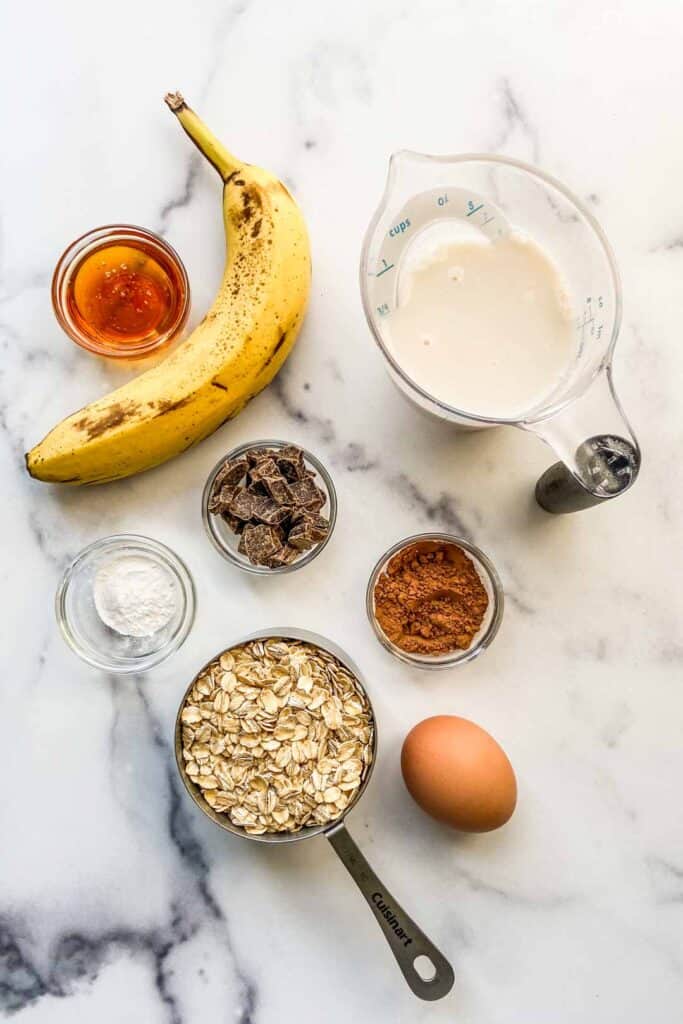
[{"x": 231, "y": 355}]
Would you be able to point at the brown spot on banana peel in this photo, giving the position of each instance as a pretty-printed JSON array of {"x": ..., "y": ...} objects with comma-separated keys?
[
  {"x": 114, "y": 416},
  {"x": 281, "y": 341},
  {"x": 232, "y": 178},
  {"x": 217, "y": 384},
  {"x": 165, "y": 406},
  {"x": 252, "y": 203}
]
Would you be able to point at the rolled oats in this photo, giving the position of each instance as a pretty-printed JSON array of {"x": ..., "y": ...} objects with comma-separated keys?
[{"x": 277, "y": 735}]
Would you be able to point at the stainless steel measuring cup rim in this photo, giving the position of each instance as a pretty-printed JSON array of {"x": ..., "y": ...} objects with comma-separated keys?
[
  {"x": 533, "y": 416},
  {"x": 275, "y": 838}
]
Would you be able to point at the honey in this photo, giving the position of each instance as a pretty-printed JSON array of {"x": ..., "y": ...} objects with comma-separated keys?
[{"x": 123, "y": 293}]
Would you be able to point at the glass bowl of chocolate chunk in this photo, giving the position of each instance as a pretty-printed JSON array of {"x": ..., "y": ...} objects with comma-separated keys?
[{"x": 269, "y": 507}]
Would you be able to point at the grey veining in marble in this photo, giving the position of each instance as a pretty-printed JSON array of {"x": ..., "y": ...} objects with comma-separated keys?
[{"x": 118, "y": 900}]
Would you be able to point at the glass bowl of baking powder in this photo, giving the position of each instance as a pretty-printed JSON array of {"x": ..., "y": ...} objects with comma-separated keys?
[{"x": 125, "y": 603}]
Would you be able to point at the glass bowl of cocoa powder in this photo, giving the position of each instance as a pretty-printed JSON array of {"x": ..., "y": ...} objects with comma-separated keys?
[{"x": 434, "y": 600}]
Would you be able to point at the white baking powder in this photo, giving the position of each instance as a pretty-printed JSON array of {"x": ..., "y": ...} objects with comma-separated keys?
[{"x": 134, "y": 595}]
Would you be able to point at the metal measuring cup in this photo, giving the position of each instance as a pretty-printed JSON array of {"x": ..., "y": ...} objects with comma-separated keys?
[{"x": 425, "y": 968}]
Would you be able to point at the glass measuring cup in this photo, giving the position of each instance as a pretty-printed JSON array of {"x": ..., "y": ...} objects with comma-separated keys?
[
  {"x": 426, "y": 970},
  {"x": 580, "y": 417}
]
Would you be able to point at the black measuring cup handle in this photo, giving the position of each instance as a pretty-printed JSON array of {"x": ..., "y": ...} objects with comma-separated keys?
[
  {"x": 427, "y": 971},
  {"x": 610, "y": 464},
  {"x": 600, "y": 455}
]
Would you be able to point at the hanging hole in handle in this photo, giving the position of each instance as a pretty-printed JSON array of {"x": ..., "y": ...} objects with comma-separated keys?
[{"x": 424, "y": 967}]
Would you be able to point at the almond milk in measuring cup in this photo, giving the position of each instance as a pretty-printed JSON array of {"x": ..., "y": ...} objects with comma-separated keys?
[{"x": 494, "y": 297}]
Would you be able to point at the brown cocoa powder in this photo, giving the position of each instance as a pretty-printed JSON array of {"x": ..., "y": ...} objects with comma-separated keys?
[{"x": 430, "y": 599}]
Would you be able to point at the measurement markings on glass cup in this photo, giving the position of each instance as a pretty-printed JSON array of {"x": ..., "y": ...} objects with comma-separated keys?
[
  {"x": 487, "y": 218},
  {"x": 399, "y": 229},
  {"x": 420, "y": 212},
  {"x": 385, "y": 267},
  {"x": 588, "y": 322}
]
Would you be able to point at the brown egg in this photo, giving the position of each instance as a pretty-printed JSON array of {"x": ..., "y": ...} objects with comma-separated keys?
[{"x": 458, "y": 774}]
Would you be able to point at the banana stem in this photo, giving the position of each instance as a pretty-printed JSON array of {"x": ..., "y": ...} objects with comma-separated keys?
[{"x": 207, "y": 143}]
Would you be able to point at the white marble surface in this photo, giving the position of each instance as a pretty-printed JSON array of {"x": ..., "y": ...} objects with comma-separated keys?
[{"x": 118, "y": 901}]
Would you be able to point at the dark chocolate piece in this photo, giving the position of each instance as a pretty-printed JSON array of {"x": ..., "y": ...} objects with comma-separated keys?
[
  {"x": 309, "y": 531},
  {"x": 225, "y": 483},
  {"x": 278, "y": 488},
  {"x": 307, "y": 495},
  {"x": 257, "y": 487},
  {"x": 266, "y": 510},
  {"x": 260, "y": 543},
  {"x": 291, "y": 463},
  {"x": 264, "y": 467},
  {"x": 220, "y": 500},
  {"x": 266, "y": 472},
  {"x": 242, "y": 504},
  {"x": 230, "y": 473},
  {"x": 235, "y": 524},
  {"x": 255, "y": 455},
  {"x": 285, "y": 556}
]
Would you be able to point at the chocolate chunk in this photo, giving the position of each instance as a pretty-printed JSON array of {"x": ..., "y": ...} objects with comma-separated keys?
[
  {"x": 225, "y": 483},
  {"x": 290, "y": 461},
  {"x": 309, "y": 531},
  {"x": 235, "y": 524},
  {"x": 242, "y": 504},
  {"x": 307, "y": 495},
  {"x": 230, "y": 473},
  {"x": 257, "y": 487},
  {"x": 260, "y": 543},
  {"x": 215, "y": 503},
  {"x": 285, "y": 556},
  {"x": 266, "y": 510},
  {"x": 322, "y": 499},
  {"x": 263, "y": 467},
  {"x": 220, "y": 500},
  {"x": 256, "y": 455},
  {"x": 278, "y": 488},
  {"x": 269, "y": 476}
]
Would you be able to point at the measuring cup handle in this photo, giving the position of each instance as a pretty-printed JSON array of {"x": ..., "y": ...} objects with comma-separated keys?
[
  {"x": 558, "y": 491},
  {"x": 600, "y": 454},
  {"x": 433, "y": 977}
]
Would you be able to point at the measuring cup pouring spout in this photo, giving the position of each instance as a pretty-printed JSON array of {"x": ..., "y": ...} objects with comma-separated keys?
[{"x": 499, "y": 198}]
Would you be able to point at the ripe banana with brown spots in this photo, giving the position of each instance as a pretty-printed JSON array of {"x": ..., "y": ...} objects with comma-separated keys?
[{"x": 231, "y": 355}]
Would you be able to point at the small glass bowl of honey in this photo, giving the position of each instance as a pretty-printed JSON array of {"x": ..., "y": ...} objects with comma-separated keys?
[{"x": 121, "y": 291}]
